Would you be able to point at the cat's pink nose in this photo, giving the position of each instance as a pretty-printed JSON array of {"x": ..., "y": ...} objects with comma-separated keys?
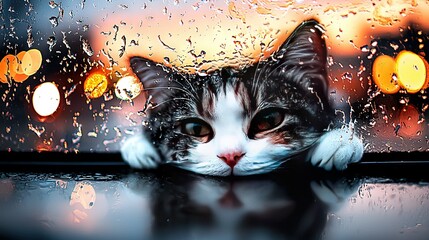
[{"x": 231, "y": 158}]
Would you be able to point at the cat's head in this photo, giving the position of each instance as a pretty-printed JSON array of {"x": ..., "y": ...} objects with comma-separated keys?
[{"x": 241, "y": 122}]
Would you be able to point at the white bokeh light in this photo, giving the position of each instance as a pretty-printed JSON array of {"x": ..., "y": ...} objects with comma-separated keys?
[
  {"x": 46, "y": 99},
  {"x": 128, "y": 88}
]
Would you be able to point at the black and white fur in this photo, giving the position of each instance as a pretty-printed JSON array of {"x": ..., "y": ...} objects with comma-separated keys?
[{"x": 244, "y": 122}]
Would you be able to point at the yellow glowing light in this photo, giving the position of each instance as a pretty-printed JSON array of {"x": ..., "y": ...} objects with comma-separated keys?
[
  {"x": 383, "y": 70},
  {"x": 128, "y": 88},
  {"x": 95, "y": 85},
  {"x": 411, "y": 71},
  {"x": 31, "y": 61},
  {"x": 46, "y": 99}
]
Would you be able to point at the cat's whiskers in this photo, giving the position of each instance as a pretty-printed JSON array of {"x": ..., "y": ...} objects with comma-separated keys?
[
  {"x": 190, "y": 85},
  {"x": 173, "y": 88},
  {"x": 193, "y": 94},
  {"x": 256, "y": 76},
  {"x": 169, "y": 100}
]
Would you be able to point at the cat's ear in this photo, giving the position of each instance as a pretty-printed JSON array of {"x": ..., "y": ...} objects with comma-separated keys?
[
  {"x": 304, "y": 46},
  {"x": 302, "y": 59},
  {"x": 154, "y": 76}
]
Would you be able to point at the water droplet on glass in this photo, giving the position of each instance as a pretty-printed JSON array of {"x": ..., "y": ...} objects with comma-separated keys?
[
  {"x": 133, "y": 43},
  {"x": 196, "y": 6},
  {"x": 54, "y": 21},
  {"x": 124, "y": 43},
  {"x": 105, "y": 33},
  {"x": 53, "y": 4},
  {"x": 347, "y": 76},
  {"x": 52, "y": 41},
  {"x": 364, "y": 48},
  {"x": 30, "y": 39},
  {"x": 166, "y": 60},
  {"x": 37, "y": 130},
  {"x": 330, "y": 60},
  {"x": 116, "y": 29},
  {"x": 87, "y": 47}
]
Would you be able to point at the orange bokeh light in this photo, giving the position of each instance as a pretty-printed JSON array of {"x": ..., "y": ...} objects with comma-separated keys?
[
  {"x": 409, "y": 122},
  {"x": 95, "y": 85},
  {"x": 21, "y": 66},
  {"x": 383, "y": 71}
]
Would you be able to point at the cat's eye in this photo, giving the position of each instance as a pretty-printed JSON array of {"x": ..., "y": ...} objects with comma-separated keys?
[
  {"x": 197, "y": 128},
  {"x": 265, "y": 120}
]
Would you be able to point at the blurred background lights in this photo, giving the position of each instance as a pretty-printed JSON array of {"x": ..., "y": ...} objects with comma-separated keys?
[
  {"x": 4, "y": 67},
  {"x": 408, "y": 70},
  {"x": 128, "y": 88},
  {"x": 21, "y": 66},
  {"x": 46, "y": 99},
  {"x": 411, "y": 71},
  {"x": 95, "y": 85},
  {"x": 383, "y": 72},
  {"x": 31, "y": 61}
]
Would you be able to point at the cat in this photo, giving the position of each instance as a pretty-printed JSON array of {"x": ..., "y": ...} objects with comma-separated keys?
[{"x": 244, "y": 121}]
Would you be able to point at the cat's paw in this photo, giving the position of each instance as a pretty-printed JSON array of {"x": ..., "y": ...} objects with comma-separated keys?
[
  {"x": 138, "y": 152},
  {"x": 336, "y": 148}
]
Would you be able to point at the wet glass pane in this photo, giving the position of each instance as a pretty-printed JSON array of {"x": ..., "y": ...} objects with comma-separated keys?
[{"x": 66, "y": 83}]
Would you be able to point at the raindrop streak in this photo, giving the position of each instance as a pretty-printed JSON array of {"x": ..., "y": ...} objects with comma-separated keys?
[
  {"x": 87, "y": 47},
  {"x": 30, "y": 39},
  {"x": 116, "y": 29},
  {"x": 165, "y": 45},
  {"x": 124, "y": 43},
  {"x": 52, "y": 41},
  {"x": 65, "y": 42},
  {"x": 123, "y": 6}
]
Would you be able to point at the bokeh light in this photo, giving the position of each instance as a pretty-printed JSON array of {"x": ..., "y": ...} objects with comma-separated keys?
[
  {"x": 4, "y": 67},
  {"x": 128, "y": 88},
  {"x": 16, "y": 71},
  {"x": 383, "y": 74},
  {"x": 46, "y": 99},
  {"x": 31, "y": 61},
  {"x": 409, "y": 117},
  {"x": 21, "y": 66},
  {"x": 95, "y": 85},
  {"x": 411, "y": 71}
]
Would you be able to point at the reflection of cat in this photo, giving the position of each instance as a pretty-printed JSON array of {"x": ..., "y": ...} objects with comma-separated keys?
[
  {"x": 189, "y": 206},
  {"x": 243, "y": 122}
]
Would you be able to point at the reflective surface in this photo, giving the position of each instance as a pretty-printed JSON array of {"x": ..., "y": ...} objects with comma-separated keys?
[{"x": 176, "y": 205}]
